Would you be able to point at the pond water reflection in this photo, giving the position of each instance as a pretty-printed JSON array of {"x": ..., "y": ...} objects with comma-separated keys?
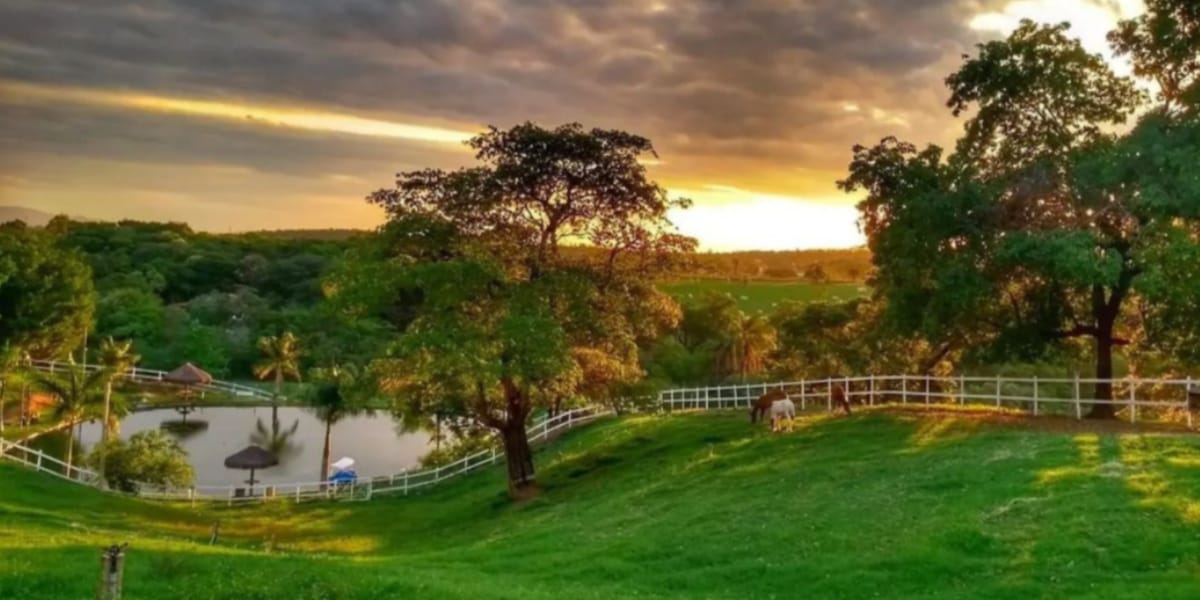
[{"x": 376, "y": 442}]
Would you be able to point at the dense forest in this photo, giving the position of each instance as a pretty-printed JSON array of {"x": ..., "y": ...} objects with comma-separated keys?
[{"x": 187, "y": 296}]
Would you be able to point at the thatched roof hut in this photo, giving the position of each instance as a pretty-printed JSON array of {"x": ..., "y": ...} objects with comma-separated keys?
[{"x": 188, "y": 374}]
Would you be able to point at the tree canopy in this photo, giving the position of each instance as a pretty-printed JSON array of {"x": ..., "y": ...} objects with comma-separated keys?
[
  {"x": 1042, "y": 225},
  {"x": 46, "y": 293},
  {"x": 500, "y": 320}
]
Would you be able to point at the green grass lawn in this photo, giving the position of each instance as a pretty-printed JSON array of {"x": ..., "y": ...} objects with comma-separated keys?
[
  {"x": 763, "y": 296},
  {"x": 696, "y": 506}
]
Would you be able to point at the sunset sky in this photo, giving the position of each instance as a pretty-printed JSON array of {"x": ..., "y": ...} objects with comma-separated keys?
[{"x": 235, "y": 115}]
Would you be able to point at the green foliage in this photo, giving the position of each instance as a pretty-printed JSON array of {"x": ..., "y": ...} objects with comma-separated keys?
[
  {"x": 495, "y": 318},
  {"x": 736, "y": 345},
  {"x": 46, "y": 294},
  {"x": 148, "y": 458},
  {"x": 183, "y": 296},
  {"x": 280, "y": 359},
  {"x": 1041, "y": 228},
  {"x": 1163, "y": 43}
]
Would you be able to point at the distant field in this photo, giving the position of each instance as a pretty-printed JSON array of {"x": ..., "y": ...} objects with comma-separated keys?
[{"x": 763, "y": 296}]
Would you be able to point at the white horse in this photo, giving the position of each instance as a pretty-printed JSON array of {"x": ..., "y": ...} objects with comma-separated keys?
[{"x": 783, "y": 415}]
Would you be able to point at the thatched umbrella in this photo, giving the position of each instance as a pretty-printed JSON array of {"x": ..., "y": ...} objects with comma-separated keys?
[
  {"x": 188, "y": 375},
  {"x": 251, "y": 458}
]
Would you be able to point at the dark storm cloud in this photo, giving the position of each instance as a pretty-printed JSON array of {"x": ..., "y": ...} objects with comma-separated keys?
[{"x": 767, "y": 80}]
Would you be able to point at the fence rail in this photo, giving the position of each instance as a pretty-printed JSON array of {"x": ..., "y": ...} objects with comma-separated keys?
[
  {"x": 1039, "y": 396},
  {"x": 1065, "y": 396},
  {"x": 141, "y": 375},
  {"x": 366, "y": 488}
]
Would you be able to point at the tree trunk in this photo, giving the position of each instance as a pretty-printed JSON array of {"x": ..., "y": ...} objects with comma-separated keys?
[
  {"x": 104, "y": 432},
  {"x": 325, "y": 453},
  {"x": 1104, "y": 372},
  {"x": 519, "y": 457},
  {"x": 107, "y": 412},
  {"x": 275, "y": 398},
  {"x": 70, "y": 447}
]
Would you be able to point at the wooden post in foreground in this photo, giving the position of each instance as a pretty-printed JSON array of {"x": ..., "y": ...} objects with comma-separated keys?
[{"x": 112, "y": 571}]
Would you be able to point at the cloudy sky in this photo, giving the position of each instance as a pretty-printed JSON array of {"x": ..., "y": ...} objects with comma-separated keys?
[{"x": 236, "y": 115}]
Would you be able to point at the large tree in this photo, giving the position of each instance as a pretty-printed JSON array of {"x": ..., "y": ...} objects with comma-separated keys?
[
  {"x": 46, "y": 293},
  {"x": 497, "y": 318},
  {"x": 1039, "y": 227}
]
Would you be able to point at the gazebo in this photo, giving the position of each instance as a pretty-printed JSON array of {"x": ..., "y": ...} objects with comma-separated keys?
[{"x": 251, "y": 458}]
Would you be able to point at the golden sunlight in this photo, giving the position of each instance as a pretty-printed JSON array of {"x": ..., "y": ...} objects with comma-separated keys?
[
  {"x": 726, "y": 218},
  {"x": 14, "y": 92}
]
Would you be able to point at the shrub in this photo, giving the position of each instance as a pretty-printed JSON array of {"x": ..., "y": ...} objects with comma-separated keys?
[{"x": 150, "y": 457}]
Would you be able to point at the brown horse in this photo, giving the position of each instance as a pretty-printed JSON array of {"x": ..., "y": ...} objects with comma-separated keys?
[
  {"x": 839, "y": 397},
  {"x": 762, "y": 406}
]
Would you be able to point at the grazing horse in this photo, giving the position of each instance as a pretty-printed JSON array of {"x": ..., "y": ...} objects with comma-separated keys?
[
  {"x": 839, "y": 397},
  {"x": 764, "y": 402},
  {"x": 783, "y": 415}
]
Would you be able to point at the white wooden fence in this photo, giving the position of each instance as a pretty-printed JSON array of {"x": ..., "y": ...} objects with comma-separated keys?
[
  {"x": 1039, "y": 396},
  {"x": 44, "y": 463},
  {"x": 140, "y": 375},
  {"x": 366, "y": 488}
]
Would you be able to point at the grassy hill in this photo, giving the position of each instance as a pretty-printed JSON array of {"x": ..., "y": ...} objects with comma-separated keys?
[
  {"x": 764, "y": 296},
  {"x": 698, "y": 506}
]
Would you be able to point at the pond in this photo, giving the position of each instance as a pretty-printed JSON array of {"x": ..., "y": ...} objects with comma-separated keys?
[{"x": 376, "y": 442}]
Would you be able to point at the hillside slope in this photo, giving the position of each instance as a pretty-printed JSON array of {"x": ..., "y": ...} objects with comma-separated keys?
[{"x": 699, "y": 506}]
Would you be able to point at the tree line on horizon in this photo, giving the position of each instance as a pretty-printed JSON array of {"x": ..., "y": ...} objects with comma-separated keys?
[{"x": 1062, "y": 229}]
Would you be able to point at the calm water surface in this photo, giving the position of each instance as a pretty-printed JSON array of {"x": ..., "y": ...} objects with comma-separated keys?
[{"x": 375, "y": 442}]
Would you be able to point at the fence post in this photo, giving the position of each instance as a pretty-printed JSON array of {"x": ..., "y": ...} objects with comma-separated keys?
[
  {"x": 999, "y": 381},
  {"x": 39, "y": 460},
  {"x": 370, "y": 488},
  {"x": 803, "y": 394},
  {"x": 1133, "y": 400},
  {"x": 927, "y": 389},
  {"x": 406, "y": 480},
  {"x": 871, "y": 390},
  {"x": 1035, "y": 395},
  {"x": 904, "y": 389},
  {"x": 112, "y": 571},
  {"x": 1079, "y": 411},
  {"x": 297, "y": 493},
  {"x": 849, "y": 395},
  {"x": 962, "y": 389},
  {"x": 829, "y": 393},
  {"x": 1187, "y": 400}
]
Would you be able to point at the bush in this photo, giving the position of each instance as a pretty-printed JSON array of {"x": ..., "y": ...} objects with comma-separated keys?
[{"x": 150, "y": 457}]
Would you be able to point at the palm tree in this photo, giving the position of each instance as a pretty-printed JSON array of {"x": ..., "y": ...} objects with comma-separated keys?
[
  {"x": 276, "y": 440},
  {"x": 118, "y": 358},
  {"x": 10, "y": 359},
  {"x": 281, "y": 359},
  {"x": 336, "y": 397},
  {"x": 76, "y": 392},
  {"x": 746, "y": 346}
]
